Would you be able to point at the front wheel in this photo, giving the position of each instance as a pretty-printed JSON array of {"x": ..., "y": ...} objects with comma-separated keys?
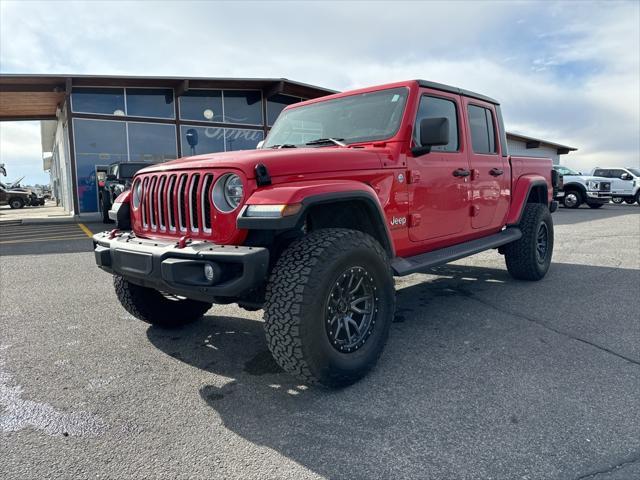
[
  {"x": 572, "y": 199},
  {"x": 16, "y": 203},
  {"x": 529, "y": 257},
  {"x": 157, "y": 308},
  {"x": 329, "y": 305}
]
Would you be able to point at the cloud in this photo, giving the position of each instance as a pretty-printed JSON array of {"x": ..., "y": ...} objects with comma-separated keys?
[{"x": 565, "y": 71}]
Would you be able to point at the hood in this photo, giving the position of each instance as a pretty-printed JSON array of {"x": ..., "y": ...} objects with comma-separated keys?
[
  {"x": 583, "y": 178},
  {"x": 284, "y": 161}
]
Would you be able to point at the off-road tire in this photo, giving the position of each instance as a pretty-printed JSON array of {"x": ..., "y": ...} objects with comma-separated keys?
[
  {"x": 153, "y": 307},
  {"x": 595, "y": 205},
  {"x": 16, "y": 203},
  {"x": 297, "y": 301},
  {"x": 578, "y": 197},
  {"x": 521, "y": 256}
]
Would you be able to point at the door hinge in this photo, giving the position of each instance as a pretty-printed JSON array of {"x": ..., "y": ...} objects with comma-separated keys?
[
  {"x": 414, "y": 220},
  {"x": 413, "y": 176}
]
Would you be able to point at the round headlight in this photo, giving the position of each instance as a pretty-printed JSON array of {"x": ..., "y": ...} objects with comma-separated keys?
[
  {"x": 227, "y": 192},
  {"x": 137, "y": 194}
]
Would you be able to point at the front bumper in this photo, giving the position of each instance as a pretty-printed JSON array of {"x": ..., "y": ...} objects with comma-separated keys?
[
  {"x": 598, "y": 197},
  {"x": 164, "y": 266}
]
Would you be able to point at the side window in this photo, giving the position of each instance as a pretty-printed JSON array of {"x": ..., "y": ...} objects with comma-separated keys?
[
  {"x": 615, "y": 173},
  {"x": 483, "y": 138},
  {"x": 434, "y": 107},
  {"x": 599, "y": 173}
]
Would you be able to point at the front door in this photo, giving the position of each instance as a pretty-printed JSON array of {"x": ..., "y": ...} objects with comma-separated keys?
[
  {"x": 490, "y": 173},
  {"x": 438, "y": 191}
]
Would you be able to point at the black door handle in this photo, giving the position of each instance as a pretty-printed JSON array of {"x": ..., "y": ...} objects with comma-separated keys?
[
  {"x": 461, "y": 172},
  {"x": 496, "y": 172}
]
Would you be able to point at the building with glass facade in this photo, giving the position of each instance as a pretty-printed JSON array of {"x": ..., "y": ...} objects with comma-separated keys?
[{"x": 90, "y": 121}]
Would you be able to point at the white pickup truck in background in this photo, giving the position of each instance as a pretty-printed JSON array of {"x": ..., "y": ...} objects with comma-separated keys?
[
  {"x": 625, "y": 183},
  {"x": 578, "y": 189}
]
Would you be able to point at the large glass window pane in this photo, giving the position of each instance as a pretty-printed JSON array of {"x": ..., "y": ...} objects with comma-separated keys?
[
  {"x": 276, "y": 104},
  {"x": 106, "y": 101},
  {"x": 96, "y": 142},
  {"x": 152, "y": 142},
  {"x": 150, "y": 102},
  {"x": 241, "y": 139},
  {"x": 243, "y": 106},
  {"x": 202, "y": 105},
  {"x": 199, "y": 140}
]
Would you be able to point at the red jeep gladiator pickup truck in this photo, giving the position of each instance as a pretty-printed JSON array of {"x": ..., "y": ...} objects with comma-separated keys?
[{"x": 347, "y": 191}]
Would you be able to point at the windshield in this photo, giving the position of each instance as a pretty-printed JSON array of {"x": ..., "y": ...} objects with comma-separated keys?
[
  {"x": 356, "y": 118},
  {"x": 635, "y": 171},
  {"x": 566, "y": 171},
  {"x": 128, "y": 171}
]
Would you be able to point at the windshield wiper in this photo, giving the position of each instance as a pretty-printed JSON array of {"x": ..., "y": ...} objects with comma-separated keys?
[
  {"x": 320, "y": 141},
  {"x": 284, "y": 145}
]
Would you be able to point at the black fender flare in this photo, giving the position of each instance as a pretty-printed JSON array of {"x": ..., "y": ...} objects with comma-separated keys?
[{"x": 295, "y": 221}]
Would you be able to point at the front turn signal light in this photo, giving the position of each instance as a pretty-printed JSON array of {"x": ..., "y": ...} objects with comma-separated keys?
[{"x": 272, "y": 211}]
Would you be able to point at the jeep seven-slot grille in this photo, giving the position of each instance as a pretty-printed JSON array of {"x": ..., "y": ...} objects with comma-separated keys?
[{"x": 176, "y": 203}]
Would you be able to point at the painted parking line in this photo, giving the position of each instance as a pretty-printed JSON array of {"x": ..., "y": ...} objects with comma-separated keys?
[
  {"x": 44, "y": 233},
  {"x": 84, "y": 228}
]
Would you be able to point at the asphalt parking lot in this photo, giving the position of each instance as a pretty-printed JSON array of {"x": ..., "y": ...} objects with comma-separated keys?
[{"x": 484, "y": 377}]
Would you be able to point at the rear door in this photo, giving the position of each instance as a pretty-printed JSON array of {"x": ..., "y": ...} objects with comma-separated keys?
[
  {"x": 439, "y": 198},
  {"x": 490, "y": 173}
]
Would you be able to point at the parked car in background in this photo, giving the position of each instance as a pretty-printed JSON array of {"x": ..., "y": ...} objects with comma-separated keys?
[
  {"x": 578, "y": 189},
  {"x": 14, "y": 198},
  {"x": 625, "y": 183},
  {"x": 116, "y": 180}
]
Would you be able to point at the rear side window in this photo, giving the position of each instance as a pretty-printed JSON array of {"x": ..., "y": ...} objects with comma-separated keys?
[
  {"x": 434, "y": 107},
  {"x": 483, "y": 138}
]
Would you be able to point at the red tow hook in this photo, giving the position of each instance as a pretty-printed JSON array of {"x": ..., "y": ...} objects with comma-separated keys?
[
  {"x": 113, "y": 233},
  {"x": 183, "y": 242}
]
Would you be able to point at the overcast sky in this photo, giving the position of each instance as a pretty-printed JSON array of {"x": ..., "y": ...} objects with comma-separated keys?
[{"x": 564, "y": 71}]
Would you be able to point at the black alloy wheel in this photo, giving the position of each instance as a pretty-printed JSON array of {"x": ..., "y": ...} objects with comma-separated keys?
[{"x": 351, "y": 310}]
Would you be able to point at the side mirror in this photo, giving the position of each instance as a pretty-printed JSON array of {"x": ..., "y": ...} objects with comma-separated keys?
[
  {"x": 433, "y": 132},
  {"x": 625, "y": 176}
]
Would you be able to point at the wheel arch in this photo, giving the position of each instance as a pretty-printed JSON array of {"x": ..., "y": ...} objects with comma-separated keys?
[
  {"x": 528, "y": 189},
  {"x": 346, "y": 204}
]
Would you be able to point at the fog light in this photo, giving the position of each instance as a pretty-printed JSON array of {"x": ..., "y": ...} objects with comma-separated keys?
[{"x": 209, "y": 272}]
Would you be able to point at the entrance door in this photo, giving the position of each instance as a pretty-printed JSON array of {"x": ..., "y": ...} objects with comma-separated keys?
[
  {"x": 439, "y": 205},
  {"x": 490, "y": 174}
]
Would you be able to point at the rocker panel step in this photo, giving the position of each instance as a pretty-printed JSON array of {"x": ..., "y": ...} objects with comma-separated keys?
[{"x": 406, "y": 266}]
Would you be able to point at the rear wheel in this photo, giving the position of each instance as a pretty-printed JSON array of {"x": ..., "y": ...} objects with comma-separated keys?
[
  {"x": 629, "y": 201},
  {"x": 529, "y": 257},
  {"x": 330, "y": 303},
  {"x": 157, "y": 308},
  {"x": 572, "y": 199},
  {"x": 617, "y": 200},
  {"x": 16, "y": 202}
]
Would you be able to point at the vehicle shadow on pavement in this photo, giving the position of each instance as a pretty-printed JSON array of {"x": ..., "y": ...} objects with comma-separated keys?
[{"x": 482, "y": 374}]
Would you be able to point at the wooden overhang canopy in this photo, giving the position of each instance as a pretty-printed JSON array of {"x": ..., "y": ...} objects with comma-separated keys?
[{"x": 37, "y": 97}]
